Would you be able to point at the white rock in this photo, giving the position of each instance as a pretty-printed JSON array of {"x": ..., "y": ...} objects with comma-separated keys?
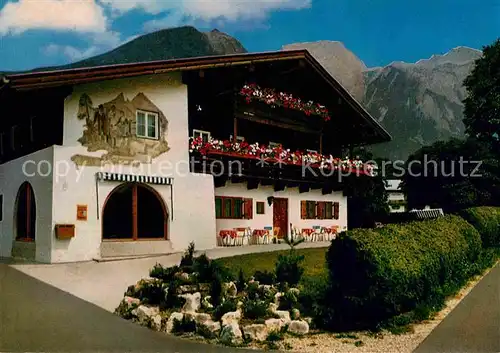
[
  {"x": 171, "y": 319},
  {"x": 131, "y": 302},
  {"x": 231, "y": 317},
  {"x": 283, "y": 314},
  {"x": 298, "y": 327},
  {"x": 231, "y": 334},
  {"x": 156, "y": 322},
  {"x": 212, "y": 326},
  {"x": 231, "y": 289},
  {"x": 193, "y": 302},
  {"x": 144, "y": 313},
  {"x": 273, "y": 307},
  {"x": 205, "y": 303},
  {"x": 256, "y": 332},
  {"x": 277, "y": 297},
  {"x": 200, "y": 318},
  {"x": 275, "y": 324}
]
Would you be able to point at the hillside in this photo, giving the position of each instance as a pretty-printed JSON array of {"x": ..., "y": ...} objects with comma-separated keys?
[{"x": 173, "y": 43}]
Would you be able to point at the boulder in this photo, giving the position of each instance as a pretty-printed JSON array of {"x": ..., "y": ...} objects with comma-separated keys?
[
  {"x": 156, "y": 322},
  {"x": 231, "y": 317},
  {"x": 273, "y": 307},
  {"x": 283, "y": 314},
  {"x": 255, "y": 332},
  {"x": 211, "y": 326},
  {"x": 231, "y": 334},
  {"x": 295, "y": 314},
  {"x": 188, "y": 288},
  {"x": 231, "y": 289},
  {"x": 275, "y": 324},
  {"x": 277, "y": 297},
  {"x": 193, "y": 302},
  {"x": 131, "y": 302},
  {"x": 205, "y": 303},
  {"x": 145, "y": 313},
  {"x": 298, "y": 327},
  {"x": 171, "y": 319},
  {"x": 198, "y": 318}
]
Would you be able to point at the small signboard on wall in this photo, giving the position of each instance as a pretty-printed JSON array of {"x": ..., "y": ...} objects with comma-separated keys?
[{"x": 81, "y": 212}]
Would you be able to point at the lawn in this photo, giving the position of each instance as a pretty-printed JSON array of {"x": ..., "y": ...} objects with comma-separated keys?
[{"x": 314, "y": 262}]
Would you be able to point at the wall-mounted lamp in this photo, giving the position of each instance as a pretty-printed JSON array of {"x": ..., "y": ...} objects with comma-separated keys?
[{"x": 270, "y": 200}]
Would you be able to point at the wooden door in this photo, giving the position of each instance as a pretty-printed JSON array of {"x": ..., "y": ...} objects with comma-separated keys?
[{"x": 280, "y": 216}]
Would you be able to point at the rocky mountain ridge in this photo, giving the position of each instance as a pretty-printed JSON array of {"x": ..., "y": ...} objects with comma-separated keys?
[{"x": 418, "y": 103}]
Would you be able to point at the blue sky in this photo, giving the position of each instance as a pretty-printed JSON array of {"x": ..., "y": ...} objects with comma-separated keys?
[{"x": 36, "y": 33}]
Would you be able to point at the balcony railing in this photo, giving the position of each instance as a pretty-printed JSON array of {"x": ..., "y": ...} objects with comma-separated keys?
[{"x": 277, "y": 155}]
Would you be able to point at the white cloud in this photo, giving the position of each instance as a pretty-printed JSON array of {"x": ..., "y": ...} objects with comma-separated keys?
[
  {"x": 71, "y": 52},
  {"x": 77, "y": 15},
  {"x": 207, "y": 10}
]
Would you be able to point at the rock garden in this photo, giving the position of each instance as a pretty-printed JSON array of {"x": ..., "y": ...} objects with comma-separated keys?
[{"x": 199, "y": 298}]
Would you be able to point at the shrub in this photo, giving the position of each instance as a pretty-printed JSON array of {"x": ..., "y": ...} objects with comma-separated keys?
[
  {"x": 216, "y": 291},
  {"x": 187, "y": 258},
  {"x": 379, "y": 274},
  {"x": 288, "y": 301},
  {"x": 165, "y": 274},
  {"x": 172, "y": 299},
  {"x": 288, "y": 269},
  {"x": 487, "y": 221},
  {"x": 264, "y": 277},
  {"x": 151, "y": 293},
  {"x": 256, "y": 309},
  {"x": 225, "y": 307},
  {"x": 183, "y": 326},
  {"x": 240, "y": 283}
]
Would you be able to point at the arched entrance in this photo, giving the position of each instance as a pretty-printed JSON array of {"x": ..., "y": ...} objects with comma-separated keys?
[
  {"x": 134, "y": 211},
  {"x": 25, "y": 213}
]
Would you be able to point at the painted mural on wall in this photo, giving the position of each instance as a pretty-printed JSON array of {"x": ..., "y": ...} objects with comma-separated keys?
[{"x": 114, "y": 126}]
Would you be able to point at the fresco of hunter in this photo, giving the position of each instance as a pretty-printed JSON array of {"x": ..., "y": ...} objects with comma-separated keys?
[{"x": 129, "y": 130}]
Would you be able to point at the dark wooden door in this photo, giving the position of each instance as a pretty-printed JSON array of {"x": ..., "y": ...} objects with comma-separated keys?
[{"x": 280, "y": 216}]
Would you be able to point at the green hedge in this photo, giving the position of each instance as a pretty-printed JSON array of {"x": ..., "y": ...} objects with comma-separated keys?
[
  {"x": 377, "y": 274},
  {"x": 487, "y": 221}
]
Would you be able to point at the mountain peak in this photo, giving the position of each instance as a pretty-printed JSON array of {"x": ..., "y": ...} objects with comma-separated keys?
[
  {"x": 458, "y": 56},
  {"x": 339, "y": 61}
]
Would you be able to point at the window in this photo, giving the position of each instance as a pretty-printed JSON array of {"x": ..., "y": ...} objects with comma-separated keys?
[
  {"x": 319, "y": 210},
  {"x": 233, "y": 208},
  {"x": 147, "y": 125},
  {"x": 260, "y": 207},
  {"x": 205, "y": 135}
]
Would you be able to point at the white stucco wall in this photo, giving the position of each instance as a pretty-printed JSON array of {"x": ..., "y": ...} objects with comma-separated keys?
[
  {"x": 35, "y": 169},
  {"x": 193, "y": 195},
  {"x": 294, "y": 198}
]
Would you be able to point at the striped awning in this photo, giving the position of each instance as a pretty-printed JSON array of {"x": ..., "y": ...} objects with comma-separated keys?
[
  {"x": 428, "y": 214},
  {"x": 103, "y": 176}
]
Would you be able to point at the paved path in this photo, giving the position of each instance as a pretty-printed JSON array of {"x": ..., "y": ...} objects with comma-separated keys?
[
  {"x": 474, "y": 325},
  {"x": 36, "y": 317},
  {"x": 103, "y": 283}
]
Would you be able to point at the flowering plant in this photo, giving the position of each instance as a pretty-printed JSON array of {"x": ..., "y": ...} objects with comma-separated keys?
[
  {"x": 277, "y": 154},
  {"x": 271, "y": 97}
]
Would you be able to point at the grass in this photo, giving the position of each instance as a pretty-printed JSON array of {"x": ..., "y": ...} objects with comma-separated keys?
[{"x": 314, "y": 262}]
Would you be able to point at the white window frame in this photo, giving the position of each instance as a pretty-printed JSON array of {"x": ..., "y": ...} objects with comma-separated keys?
[
  {"x": 201, "y": 133},
  {"x": 146, "y": 115},
  {"x": 238, "y": 138}
]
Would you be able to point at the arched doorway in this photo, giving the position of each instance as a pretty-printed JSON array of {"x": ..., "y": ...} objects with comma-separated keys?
[
  {"x": 134, "y": 211},
  {"x": 25, "y": 213}
]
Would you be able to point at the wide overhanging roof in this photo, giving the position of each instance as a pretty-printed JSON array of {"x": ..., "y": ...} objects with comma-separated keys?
[{"x": 56, "y": 78}]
